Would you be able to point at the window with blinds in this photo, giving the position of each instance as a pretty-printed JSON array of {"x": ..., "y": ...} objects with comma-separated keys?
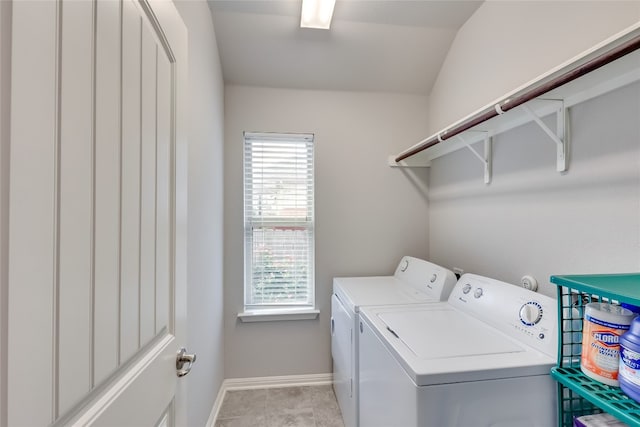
[{"x": 278, "y": 220}]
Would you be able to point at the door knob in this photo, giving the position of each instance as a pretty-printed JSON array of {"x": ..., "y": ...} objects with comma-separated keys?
[{"x": 182, "y": 359}]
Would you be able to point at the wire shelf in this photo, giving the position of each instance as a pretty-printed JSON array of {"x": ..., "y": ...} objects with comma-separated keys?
[{"x": 578, "y": 394}]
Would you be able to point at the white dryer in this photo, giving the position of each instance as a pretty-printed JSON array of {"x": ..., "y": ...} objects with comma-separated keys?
[
  {"x": 482, "y": 359},
  {"x": 415, "y": 281}
]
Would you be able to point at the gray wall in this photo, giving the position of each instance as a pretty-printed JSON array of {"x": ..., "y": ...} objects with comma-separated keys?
[
  {"x": 506, "y": 44},
  {"x": 367, "y": 214},
  {"x": 531, "y": 219},
  {"x": 5, "y": 89},
  {"x": 205, "y": 229},
  {"x": 534, "y": 220}
]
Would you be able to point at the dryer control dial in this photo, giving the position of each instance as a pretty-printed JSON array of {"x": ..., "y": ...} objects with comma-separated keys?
[
  {"x": 466, "y": 288},
  {"x": 531, "y": 313}
]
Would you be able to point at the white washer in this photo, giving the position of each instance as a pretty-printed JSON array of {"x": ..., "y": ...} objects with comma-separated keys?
[
  {"x": 415, "y": 281},
  {"x": 483, "y": 358}
]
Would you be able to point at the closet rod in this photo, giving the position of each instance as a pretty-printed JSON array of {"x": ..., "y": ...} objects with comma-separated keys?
[{"x": 500, "y": 108}]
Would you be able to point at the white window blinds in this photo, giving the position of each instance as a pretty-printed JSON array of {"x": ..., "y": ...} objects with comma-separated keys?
[{"x": 278, "y": 220}]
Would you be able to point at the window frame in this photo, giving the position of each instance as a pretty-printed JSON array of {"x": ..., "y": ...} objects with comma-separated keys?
[{"x": 272, "y": 311}]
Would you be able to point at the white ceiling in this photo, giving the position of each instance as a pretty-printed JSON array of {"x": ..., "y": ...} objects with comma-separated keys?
[{"x": 373, "y": 45}]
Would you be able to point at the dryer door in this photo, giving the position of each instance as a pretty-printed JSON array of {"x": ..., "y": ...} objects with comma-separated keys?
[{"x": 341, "y": 351}]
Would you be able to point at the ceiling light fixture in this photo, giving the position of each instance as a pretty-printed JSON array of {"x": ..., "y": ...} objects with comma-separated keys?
[{"x": 317, "y": 13}]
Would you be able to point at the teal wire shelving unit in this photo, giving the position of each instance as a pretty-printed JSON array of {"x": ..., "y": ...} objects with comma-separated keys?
[{"x": 577, "y": 393}]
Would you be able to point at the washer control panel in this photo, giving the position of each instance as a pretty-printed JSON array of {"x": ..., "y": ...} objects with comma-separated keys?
[
  {"x": 531, "y": 313},
  {"x": 522, "y": 314}
]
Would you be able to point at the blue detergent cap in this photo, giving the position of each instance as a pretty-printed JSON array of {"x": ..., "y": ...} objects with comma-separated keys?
[{"x": 633, "y": 308}]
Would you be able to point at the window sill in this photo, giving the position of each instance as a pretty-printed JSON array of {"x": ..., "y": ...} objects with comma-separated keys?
[{"x": 278, "y": 314}]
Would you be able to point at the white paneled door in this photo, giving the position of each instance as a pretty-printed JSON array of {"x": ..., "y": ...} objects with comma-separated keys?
[{"x": 97, "y": 230}]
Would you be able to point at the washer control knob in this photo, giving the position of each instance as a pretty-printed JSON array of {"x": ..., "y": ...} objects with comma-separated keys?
[
  {"x": 405, "y": 265},
  {"x": 434, "y": 277},
  {"x": 478, "y": 293},
  {"x": 466, "y": 288},
  {"x": 530, "y": 313}
]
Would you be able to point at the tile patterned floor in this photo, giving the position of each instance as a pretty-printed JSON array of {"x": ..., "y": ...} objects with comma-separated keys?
[{"x": 310, "y": 406}]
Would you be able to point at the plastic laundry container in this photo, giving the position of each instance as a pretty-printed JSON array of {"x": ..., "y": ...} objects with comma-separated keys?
[
  {"x": 604, "y": 323},
  {"x": 629, "y": 369}
]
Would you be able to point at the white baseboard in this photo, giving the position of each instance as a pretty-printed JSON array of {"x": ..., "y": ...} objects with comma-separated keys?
[
  {"x": 273, "y": 382},
  {"x": 216, "y": 406},
  {"x": 264, "y": 382}
]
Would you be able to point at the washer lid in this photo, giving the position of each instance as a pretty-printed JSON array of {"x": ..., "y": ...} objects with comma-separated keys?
[
  {"x": 437, "y": 343},
  {"x": 445, "y": 332}
]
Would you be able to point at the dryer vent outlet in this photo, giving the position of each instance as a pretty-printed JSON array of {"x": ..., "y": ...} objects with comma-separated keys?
[{"x": 529, "y": 282}]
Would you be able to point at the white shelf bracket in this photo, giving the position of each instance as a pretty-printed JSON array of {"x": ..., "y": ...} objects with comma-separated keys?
[
  {"x": 560, "y": 136},
  {"x": 487, "y": 159}
]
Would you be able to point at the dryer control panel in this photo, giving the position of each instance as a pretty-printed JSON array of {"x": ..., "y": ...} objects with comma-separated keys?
[
  {"x": 525, "y": 315},
  {"x": 426, "y": 277}
]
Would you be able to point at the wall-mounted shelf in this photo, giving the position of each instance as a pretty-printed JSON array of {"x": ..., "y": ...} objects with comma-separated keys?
[{"x": 607, "y": 66}]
